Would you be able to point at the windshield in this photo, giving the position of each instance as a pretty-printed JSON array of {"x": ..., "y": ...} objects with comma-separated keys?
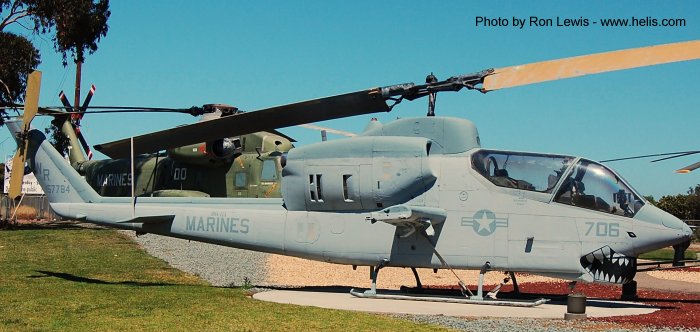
[
  {"x": 592, "y": 186},
  {"x": 527, "y": 171}
]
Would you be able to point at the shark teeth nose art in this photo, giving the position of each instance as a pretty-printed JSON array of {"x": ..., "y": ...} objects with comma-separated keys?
[{"x": 604, "y": 264}]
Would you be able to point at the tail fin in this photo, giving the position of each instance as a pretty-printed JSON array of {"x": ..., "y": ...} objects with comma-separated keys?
[{"x": 60, "y": 182}]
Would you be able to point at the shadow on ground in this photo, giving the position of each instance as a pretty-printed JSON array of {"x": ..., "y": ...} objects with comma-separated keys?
[
  {"x": 45, "y": 224},
  {"x": 75, "y": 278}
]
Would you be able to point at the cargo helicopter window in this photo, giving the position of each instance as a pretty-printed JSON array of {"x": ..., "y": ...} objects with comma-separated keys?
[
  {"x": 527, "y": 171},
  {"x": 241, "y": 180},
  {"x": 269, "y": 171},
  {"x": 592, "y": 186}
]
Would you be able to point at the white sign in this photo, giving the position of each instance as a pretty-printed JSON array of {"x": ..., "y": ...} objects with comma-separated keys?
[{"x": 29, "y": 184}]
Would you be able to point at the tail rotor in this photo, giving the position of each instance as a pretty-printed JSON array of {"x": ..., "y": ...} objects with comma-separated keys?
[
  {"x": 76, "y": 114},
  {"x": 31, "y": 107}
]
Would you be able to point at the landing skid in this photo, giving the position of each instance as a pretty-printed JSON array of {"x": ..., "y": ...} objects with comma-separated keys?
[
  {"x": 448, "y": 299},
  {"x": 468, "y": 296}
]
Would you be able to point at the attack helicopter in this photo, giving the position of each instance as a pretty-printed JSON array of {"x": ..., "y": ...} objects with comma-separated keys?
[{"x": 415, "y": 192}]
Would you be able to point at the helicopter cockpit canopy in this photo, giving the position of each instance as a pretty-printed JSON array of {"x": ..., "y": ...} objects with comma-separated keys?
[
  {"x": 593, "y": 186},
  {"x": 586, "y": 184},
  {"x": 528, "y": 171}
]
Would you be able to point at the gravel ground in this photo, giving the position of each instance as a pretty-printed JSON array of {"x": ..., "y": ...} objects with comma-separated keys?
[
  {"x": 679, "y": 275},
  {"x": 525, "y": 324},
  {"x": 219, "y": 265}
]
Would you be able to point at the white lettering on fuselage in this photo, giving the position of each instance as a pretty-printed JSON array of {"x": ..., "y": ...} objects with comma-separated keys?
[
  {"x": 218, "y": 224},
  {"x": 114, "y": 180}
]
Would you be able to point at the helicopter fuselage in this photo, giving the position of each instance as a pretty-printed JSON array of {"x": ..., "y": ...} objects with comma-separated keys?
[{"x": 551, "y": 215}]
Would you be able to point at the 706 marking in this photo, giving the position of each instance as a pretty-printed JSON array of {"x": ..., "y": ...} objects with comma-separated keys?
[{"x": 603, "y": 229}]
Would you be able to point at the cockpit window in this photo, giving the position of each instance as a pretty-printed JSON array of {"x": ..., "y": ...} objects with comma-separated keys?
[
  {"x": 527, "y": 171},
  {"x": 592, "y": 186}
]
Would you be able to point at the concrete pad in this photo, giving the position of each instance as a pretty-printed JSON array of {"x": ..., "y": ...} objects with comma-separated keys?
[{"x": 344, "y": 301}]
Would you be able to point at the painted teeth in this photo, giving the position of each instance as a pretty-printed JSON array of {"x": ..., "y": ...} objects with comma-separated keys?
[
  {"x": 606, "y": 251},
  {"x": 606, "y": 265},
  {"x": 599, "y": 255}
]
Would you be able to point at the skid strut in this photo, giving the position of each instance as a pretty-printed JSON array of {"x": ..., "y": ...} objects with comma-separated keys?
[
  {"x": 374, "y": 273},
  {"x": 516, "y": 289},
  {"x": 493, "y": 294},
  {"x": 480, "y": 290},
  {"x": 462, "y": 285},
  {"x": 415, "y": 274}
]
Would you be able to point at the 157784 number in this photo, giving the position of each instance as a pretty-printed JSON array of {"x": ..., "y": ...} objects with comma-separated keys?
[{"x": 58, "y": 189}]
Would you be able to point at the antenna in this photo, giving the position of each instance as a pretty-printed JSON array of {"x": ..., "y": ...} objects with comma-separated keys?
[{"x": 432, "y": 95}]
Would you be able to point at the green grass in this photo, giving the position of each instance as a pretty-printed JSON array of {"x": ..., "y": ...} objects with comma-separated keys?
[
  {"x": 92, "y": 279},
  {"x": 667, "y": 254}
]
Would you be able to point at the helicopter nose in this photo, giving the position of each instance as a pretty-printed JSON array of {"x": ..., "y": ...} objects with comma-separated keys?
[
  {"x": 657, "y": 228},
  {"x": 688, "y": 232},
  {"x": 672, "y": 222}
]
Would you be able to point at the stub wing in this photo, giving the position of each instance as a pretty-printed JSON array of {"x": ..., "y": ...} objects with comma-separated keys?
[
  {"x": 149, "y": 219},
  {"x": 409, "y": 219}
]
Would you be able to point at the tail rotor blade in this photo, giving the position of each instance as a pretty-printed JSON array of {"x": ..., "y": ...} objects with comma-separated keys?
[
  {"x": 65, "y": 102},
  {"x": 83, "y": 142},
  {"x": 16, "y": 175},
  {"x": 31, "y": 100},
  {"x": 79, "y": 116},
  {"x": 31, "y": 107},
  {"x": 591, "y": 64},
  {"x": 86, "y": 103}
]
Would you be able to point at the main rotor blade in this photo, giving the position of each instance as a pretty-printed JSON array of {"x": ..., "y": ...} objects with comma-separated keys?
[
  {"x": 329, "y": 130},
  {"x": 679, "y": 155},
  {"x": 671, "y": 154},
  {"x": 345, "y": 105},
  {"x": 508, "y": 77},
  {"x": 689, "y": 168}
]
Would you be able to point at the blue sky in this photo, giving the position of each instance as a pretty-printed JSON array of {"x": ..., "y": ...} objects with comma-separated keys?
[{"x": 259, "y": 54}]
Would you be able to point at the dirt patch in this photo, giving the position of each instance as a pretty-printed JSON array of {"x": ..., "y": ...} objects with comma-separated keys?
[{"x": 292, "y": 271}]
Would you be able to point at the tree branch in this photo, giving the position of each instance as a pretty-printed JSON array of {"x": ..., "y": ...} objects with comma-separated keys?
[
  {"x": 7, "y": 89},
  {"x": 9, "y": 94},
  {"x": 9, "y": 19}
]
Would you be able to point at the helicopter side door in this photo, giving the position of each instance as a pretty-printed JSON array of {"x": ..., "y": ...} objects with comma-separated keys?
[
  {"x": 538, "y": 236},
  {"x": 241, "y": 179}
]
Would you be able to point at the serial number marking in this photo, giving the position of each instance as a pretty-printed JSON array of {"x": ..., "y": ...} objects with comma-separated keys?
[{"x": 58, "y": 189}]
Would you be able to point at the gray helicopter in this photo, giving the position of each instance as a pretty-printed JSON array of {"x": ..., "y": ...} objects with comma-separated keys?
[{"x": 416, "y": 192}]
